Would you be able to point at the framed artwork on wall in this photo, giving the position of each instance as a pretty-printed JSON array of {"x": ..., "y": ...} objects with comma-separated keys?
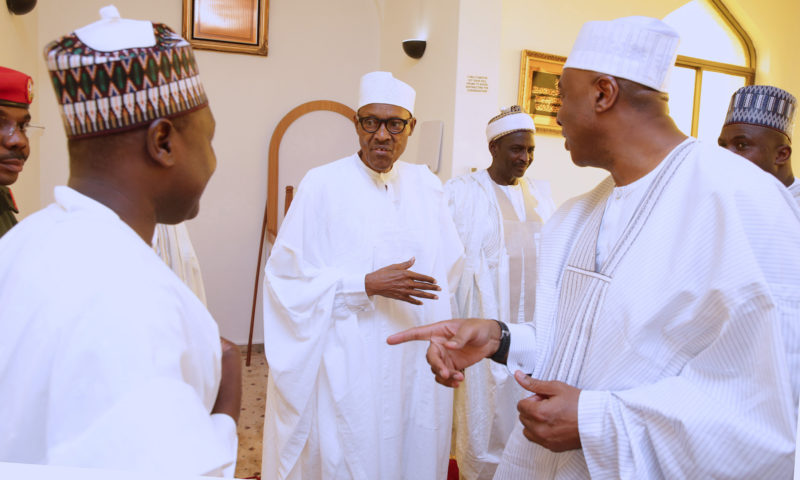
[
  {"x": 238, "y": 26},
  {"x": 538, "y": 88}
]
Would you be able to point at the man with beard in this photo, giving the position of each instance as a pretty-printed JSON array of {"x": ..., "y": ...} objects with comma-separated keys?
[
  {"x": 16, "y": 95},
  {"x": 499, "y": 214}
]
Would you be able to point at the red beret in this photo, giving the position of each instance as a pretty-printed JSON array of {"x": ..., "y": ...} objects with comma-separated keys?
[{"x": 16, "y": 88}]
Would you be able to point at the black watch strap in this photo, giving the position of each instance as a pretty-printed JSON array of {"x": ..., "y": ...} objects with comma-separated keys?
[{"x": 501, "y": 355}]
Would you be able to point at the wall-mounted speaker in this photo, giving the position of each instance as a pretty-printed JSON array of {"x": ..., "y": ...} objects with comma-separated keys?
[{"x": 20, "y": 7}]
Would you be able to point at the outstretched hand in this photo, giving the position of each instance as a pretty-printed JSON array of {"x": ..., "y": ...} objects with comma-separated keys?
[
  {"x": 398, "y": 282},
  {"x": 455, "y": 345},
  {"x": 550, "y": 416}
]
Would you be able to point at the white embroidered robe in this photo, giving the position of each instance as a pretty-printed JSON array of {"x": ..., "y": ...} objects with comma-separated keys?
[
  {"x": 679, "y": 341},
  {"x": 485, "y": 403},
  {"x": 341, "y": 403}
]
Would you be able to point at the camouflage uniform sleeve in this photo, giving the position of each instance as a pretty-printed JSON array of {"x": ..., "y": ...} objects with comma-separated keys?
[{"x": 7, "y": 210}]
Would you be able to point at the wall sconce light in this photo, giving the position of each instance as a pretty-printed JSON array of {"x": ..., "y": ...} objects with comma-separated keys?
[
  {"x": 20, "y": 7},
  {"x": 414, "y": 48}
]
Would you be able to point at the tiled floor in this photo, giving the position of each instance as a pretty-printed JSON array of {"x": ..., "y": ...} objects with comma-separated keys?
[{"x": 251, "y": 420}]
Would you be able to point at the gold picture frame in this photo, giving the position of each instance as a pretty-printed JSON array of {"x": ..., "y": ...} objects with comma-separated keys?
[
  {"x": 237, "y": 26},
  {"x": 538, "y": 88}
]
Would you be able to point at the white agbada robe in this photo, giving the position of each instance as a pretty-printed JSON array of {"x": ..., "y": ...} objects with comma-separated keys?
[
  {"x": 794, "y": 189},
  {"x": 678, "y": 346},
  {"x": 107, "y": 359},
  {"x": 341, "y": 403},
  {"x": 485, "y": 403}
]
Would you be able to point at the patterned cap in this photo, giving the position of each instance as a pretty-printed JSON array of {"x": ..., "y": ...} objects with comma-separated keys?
[
  {"x": 104, "y": 90},
  {"x": 765, "y": 106},
  {"x": 16, "y": 88},
  {"x": 510, "y": 120}
]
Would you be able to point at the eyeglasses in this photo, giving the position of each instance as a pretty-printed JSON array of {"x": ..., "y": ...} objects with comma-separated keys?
[
  {"x": 373, "y": 124},
  {"x": 9, "y": 128}
]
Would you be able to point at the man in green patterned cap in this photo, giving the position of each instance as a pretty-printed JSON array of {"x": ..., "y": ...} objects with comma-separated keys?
[
  {"x": 16, "y": 95},
  {"x": 108, "y": 359}
]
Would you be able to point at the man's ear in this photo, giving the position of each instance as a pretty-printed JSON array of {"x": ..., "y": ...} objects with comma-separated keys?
[
  {"x": 783, "y": 154},
  {"x": 493, "y": 148},
  {"x": 606, "y": 93},
  {"x": 411, "y": 125},
  {"x": 161, "y": 142}
]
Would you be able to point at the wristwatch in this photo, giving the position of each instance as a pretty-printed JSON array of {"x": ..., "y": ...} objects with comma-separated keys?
[{"x": 501, "y": 355}]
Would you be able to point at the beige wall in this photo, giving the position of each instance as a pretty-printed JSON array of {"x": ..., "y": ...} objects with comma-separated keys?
[
  {"x": 437, "y": 22},
  {"x": 318, "y": 50},
  {"x": 478, "y": 45}
]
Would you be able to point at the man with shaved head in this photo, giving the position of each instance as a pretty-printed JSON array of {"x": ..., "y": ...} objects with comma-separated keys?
[
  {"x": 663, "y": 294},
  {"x": 758, "y": 127}
]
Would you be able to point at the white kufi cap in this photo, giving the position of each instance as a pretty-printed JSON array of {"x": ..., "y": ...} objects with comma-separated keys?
[
  {"x": 640, "y": 49},
  {"x": 510, "y": 120},
  {"x": 112, "y": 33},
  {"x": 382, "y": 87}
]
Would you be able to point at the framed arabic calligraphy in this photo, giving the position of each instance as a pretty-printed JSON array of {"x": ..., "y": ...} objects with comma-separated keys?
[{"x": 538, "y": 88}]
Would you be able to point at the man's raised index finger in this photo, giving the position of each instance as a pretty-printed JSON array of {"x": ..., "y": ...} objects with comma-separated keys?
[{"x": 416, "y": 333}]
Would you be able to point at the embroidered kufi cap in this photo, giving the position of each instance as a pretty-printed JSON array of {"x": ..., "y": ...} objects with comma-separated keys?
[
  {"x": 639, "y": 49},
  {"x": 118, "y": 74},
  {"x": 765, "y": 106},
  {"x": 16, "y": 88},
  {"x": 510, "y": 120},
  {"x": 382, "y": 87}
]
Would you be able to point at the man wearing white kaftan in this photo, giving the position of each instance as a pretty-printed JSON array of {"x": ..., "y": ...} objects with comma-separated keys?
[
  {"x": 341, "y": 404},
  {"x": 664, "y": 295},
  {"x": 682, "y": 373},
  {"x": 107, "y": 359},
  {"x": 498, "y": 222},
  {"x": 480, "y": 209},
  {"x": 96, "y": 376}
]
